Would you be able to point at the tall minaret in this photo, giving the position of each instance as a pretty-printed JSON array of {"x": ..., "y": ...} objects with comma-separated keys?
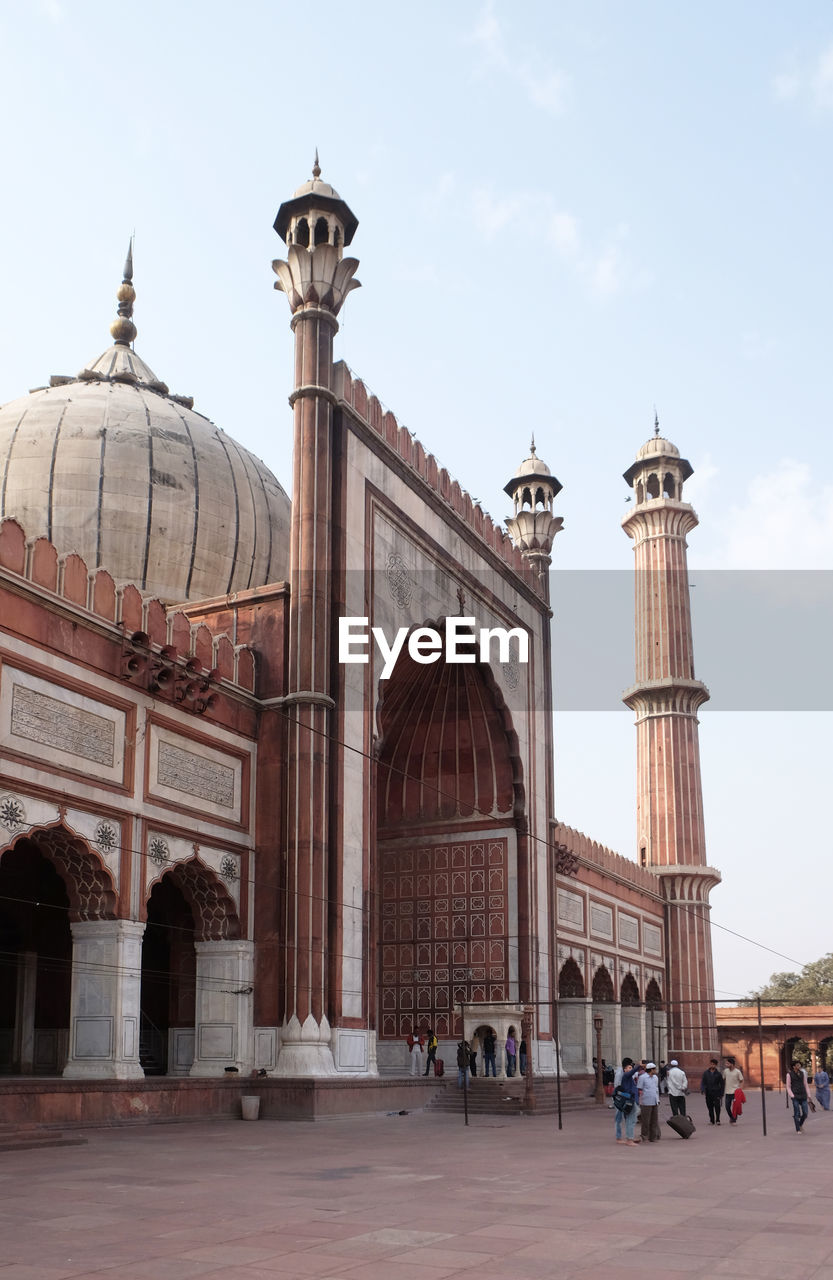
[
  {"x": 532, "y": 527},
  {"x": 666, "y": 697},
  {"x": 316, "y": 224}
]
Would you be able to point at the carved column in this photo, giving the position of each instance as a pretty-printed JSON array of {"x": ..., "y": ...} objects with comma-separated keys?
[
  {"x": 104, "y": 1000},
  {"x": 315, "y": 281}
]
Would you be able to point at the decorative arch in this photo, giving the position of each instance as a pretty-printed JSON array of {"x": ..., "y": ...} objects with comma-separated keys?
[
  {"x": 653, "y": 995},
  {"x": 570, "y": 981},
  {"x": 603, "y": 992},
  {"x": 629, "y": 993},
  {"x": 447, "y": 748},
  {"x": 213, "y": 908},
  {"x": 89, "y": 885}
]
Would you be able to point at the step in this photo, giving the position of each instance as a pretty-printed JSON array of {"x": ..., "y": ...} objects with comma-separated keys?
[{"x": 29, "y": 1141}]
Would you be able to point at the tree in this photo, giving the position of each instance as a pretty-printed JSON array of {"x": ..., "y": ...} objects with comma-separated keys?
[{"x": 814, "y": 985}]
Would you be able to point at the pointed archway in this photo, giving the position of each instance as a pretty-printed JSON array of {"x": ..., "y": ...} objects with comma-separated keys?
[
  {"x": 50, "y": 881},
  {"x": 451, "y": 849}
]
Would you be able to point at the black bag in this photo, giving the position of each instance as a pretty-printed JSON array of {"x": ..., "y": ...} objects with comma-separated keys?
[
  {"x": 623, "y": 1101},
  {"x": 683, "y": 1125}
]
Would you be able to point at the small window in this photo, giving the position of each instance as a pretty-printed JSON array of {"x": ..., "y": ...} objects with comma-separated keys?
[
  {"x": 653, "y": 486},
  {"x": 668, "y": 485},
  {"x": 302, "y": 233},
  {"x": 322, "y": 231}
]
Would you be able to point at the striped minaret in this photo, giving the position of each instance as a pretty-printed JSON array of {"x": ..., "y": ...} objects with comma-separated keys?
[
  {"x": 316, "y": 224},
  {"x": 666, "y": 697}
]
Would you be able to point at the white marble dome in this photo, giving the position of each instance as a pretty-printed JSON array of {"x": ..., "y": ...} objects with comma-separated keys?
[{"x": 113, "y": 467}]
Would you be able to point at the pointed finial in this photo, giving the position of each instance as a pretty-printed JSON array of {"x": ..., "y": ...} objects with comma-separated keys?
[
  {"x": 532, "y": 453},
  {"x": 656, "y": 421},
  {"x": 123, "y": 329},
  {"x": 316, "y": 168}
]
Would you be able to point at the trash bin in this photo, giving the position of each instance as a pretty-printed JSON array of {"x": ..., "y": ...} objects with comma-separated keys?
[{"x": 250, "y": 1107}]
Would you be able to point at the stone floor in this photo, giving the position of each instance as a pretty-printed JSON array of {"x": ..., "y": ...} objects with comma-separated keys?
[{"x": 405, "y": 1197}]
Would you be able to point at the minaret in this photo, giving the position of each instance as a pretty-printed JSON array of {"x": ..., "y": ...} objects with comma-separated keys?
[
  {"x": 666, "y": 697},
  {"x": 316, "y": 224},
  {"x": 533, "y": 526}
]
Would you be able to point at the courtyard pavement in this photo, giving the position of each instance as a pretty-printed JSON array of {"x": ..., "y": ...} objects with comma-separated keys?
[{"x": 404, "y": 1197}]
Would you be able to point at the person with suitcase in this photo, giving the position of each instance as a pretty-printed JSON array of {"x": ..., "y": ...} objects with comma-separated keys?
[
  {"x": 649, "y": 1102},
  {"x": 432, "y": 1052},
  {"x": 677, "y": 1087}
]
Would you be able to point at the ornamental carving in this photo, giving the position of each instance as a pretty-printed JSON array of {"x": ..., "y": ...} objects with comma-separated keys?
[
  {"x": 12, "y": 814},
  {"x": 399, "y": 580},
  {"x": 105, "y": 837},
  {"x": 228, "y": 868},
  {"x": 159, "y": 851}
]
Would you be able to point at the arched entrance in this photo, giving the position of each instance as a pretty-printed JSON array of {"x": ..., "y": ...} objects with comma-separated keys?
[
  {"x": 452, "y": 863},
  {"x": 49, "y": 883},
  {"x": 197, "y": 975},
  {"x": 573, "y": 1018},
  {"x": 605, "y": 1007},
  {"x": 656, "y": 1028},
  {"x": 631, "y": 1015}
]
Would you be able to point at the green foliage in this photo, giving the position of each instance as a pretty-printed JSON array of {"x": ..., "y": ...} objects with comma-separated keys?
[{"x": 814, "y": 985}]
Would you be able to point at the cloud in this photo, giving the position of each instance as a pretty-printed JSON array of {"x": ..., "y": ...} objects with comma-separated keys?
[
  {"x": 812, "y": 83},
  {"x": 547, "y": 87},
  {"x": 603, "y": 268},
  {"x": 785, "y": 521}
]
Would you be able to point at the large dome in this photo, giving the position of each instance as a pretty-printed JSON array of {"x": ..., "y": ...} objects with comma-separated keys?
[{"x": 110, "y": 465}]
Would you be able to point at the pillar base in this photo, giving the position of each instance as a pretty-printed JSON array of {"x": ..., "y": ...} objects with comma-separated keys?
[{"x": 305, "y": 1049}]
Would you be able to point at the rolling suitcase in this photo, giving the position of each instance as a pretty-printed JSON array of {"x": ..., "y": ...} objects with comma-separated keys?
[
  {"x": 683, "y": 1125},
  {"x": 439, "y": 1067}
]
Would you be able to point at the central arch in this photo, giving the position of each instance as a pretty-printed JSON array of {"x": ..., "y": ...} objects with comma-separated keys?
[{"x": 451, "y": 874}]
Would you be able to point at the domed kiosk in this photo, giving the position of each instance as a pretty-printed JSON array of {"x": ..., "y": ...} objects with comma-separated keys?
[{"x": 112, "y": 466}]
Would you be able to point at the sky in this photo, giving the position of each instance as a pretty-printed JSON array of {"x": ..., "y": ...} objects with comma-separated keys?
[{"x": 572, "y": 216}]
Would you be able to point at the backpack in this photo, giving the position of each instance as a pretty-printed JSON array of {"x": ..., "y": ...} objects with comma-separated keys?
[{"x": 622, "y": 1100}]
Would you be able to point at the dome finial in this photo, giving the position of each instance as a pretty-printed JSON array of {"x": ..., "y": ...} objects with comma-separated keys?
[
  {"x": 316, "y": 168},
  {"x": 532, "y": 453},
  {"x": 656, "y": 421},
  {"x": 123, "y": 329}
]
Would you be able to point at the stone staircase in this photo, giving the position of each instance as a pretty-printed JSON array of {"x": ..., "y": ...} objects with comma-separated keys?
[
  {"x": 490, "y": 1097},
  {"x": 31, "y": 1137}
]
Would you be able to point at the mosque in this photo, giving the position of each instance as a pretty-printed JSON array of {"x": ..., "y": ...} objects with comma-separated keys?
[{"x": 226, "y": 850}]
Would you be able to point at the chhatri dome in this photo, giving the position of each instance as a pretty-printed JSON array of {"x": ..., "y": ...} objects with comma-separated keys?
[{"x": 112, "y": 466}]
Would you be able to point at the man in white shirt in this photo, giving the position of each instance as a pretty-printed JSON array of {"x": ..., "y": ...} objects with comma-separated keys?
[
  {"x": 677, "y": 1086},
  {"x": 648, "y": 1085}
]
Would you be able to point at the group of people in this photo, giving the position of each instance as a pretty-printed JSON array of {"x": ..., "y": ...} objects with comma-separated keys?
[
  {"x": 798, "y": 1092},
  {"x": 636, "y": 1093},
  {"x": 467, "y": 1054}
]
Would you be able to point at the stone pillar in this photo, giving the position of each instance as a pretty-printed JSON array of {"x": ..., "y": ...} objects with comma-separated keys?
[
  {"x": 23, "y": 1053},
  {"x": 315, "y": 279},
  {"x": 223, "y": 1020},
  {"x": 104, "y": 1000}
]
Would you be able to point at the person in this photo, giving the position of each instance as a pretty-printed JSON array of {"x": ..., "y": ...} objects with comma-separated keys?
[
  {"x": 822, "y": 1082},
  {"x": 677, "y": 1087},
  {"x": 511, "y": 1052},
  {"x": 732, "y": 1080},
  {"x": 797, "y": 1093},
  {"x": 489, "y": 1046},
  {"x": 432, "y": 1050},
  {"x": 625, "y": 1091},
  {"x": 522, "y": 1057},
  {"x": 415, "y": 1042},
  {"x": 712, "y": 1087},
  {"x": 648, "y": 1090},
  {"x": 463, "y": 1061},
  {"x": 662, "y": 1076},
  {"x": 474, "y": 1049}
]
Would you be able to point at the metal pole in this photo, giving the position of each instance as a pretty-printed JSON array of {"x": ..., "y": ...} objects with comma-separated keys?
[
  {"x": 761, "y": 1058},
  {"x": 557, "y": 1060},
  {"x": 466, "y": 1066},
  {"x": 600, "y": 1093}
]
